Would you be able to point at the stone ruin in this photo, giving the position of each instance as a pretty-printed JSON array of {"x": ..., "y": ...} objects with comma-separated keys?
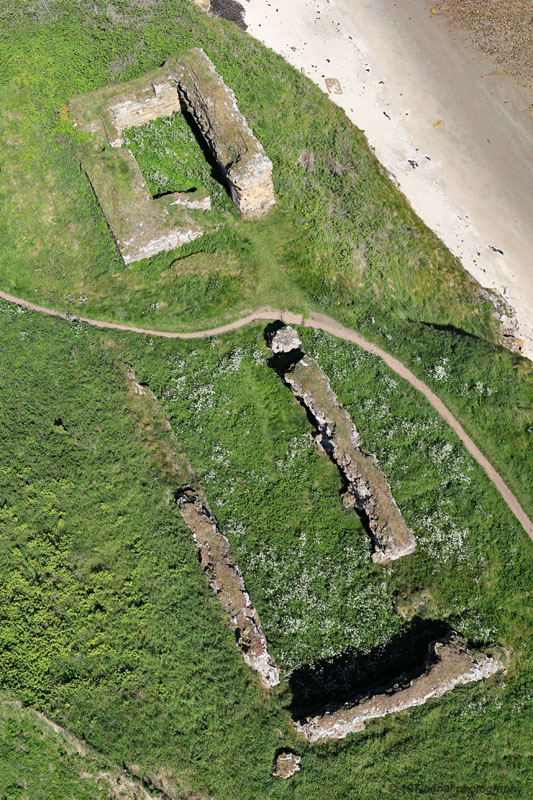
[
  {"x": 287, "y": 764},
  {"x": 225, "y": 579},
  {"x": 143, "y": 225},
  {"x": 366, "y": 487},
  {"x": 448, "y": 664},
  {"x": 248, "y": 171}
]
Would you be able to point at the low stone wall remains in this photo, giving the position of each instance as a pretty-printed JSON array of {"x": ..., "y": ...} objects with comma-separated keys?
[
  {"x": 367, "y": 488},
  {"x": 226, "y": 580},
  {"x": 448, "y": 664}
]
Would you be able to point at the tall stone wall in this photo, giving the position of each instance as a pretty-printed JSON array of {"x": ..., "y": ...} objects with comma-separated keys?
[{"x": 239, "y": 154}]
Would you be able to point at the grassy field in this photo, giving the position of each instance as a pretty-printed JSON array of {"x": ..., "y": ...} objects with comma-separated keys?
[
  {"x": 107, "y": 622},
  {"x": 342, "y": 238},
  {"x": 172, "y": 160}
]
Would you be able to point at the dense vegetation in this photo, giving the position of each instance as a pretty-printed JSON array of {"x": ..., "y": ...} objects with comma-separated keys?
[
  {"x": 106, "y": 619},
  {"x": 40, "y": 763}
]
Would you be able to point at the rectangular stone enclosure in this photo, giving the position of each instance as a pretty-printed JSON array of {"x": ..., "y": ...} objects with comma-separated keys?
[{"x": 143, "y": 225}]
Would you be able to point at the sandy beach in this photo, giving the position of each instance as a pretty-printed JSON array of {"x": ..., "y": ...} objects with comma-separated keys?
[{"x": 453, "y": 131}]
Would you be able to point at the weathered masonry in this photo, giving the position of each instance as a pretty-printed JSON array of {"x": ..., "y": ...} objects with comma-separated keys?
[
  {"x": 449, "y": 663},
  {"x": 366, "y": 487},
  {"x": 142, "y": 225},
  {"x": 213, "y": 106},
  {"x": 225, "y": 578}
]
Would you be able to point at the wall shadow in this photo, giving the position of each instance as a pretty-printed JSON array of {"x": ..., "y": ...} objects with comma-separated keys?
[
  {"x": 217, "y": 173},
  {"x": 340, "y": 679}
]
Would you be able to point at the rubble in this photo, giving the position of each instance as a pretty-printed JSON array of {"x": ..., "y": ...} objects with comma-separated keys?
[{"x": 287, "y": 764}]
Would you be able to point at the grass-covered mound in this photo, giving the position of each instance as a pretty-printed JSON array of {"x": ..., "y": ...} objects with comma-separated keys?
[
  {"x": 106, "y": 619},
  {"x": 40, "y": 762}
]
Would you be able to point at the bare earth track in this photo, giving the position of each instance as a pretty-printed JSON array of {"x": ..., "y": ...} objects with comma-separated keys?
[{"x": 329, "y": 325}]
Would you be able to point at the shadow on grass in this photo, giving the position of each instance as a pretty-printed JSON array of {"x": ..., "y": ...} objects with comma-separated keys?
[{"x": 338, "y": 680}]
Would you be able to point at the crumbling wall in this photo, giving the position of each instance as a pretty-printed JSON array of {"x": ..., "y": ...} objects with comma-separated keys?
[
  {"x": 239, "y": 154},
  {"x": 154, "y": 100},
  {"x": 448, "y": 664},
  {"x": 366, "y": 485},
  {"x": 225, "y": 577},
  {"x": 226, "y": 580}
]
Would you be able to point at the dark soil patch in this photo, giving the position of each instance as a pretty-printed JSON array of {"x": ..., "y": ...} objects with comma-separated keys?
[{"x": 230, "y": 10}]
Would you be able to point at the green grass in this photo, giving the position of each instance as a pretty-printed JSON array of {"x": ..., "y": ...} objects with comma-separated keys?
[
  {"x": 39, "y": 763},
  {"x": 172, "y": 160},
  {"x": 106, "y": 619},
  {"x": 358, "y": 240},
  {"x": 342, "y": 239},
  {"x": 107, "y": 622}
]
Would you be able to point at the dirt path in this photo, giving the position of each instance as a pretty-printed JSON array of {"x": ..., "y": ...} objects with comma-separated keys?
[
  {"x": 118, "y": 783},
  {"x": 329, "y": 325}
]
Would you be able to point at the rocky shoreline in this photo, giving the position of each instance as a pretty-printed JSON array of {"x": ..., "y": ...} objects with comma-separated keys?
[{"x": 499, "y": 29}]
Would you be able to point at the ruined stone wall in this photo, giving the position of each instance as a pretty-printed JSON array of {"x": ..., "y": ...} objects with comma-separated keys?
[
  {"x": 449, "y": 663},
  {"x": 225, "y": 577},
  {"x": 213, "y": 107},
  {"x": 226, "y": 580},
  {"x": 150, "y": 102},
  {"x": 366, "y": 485}
]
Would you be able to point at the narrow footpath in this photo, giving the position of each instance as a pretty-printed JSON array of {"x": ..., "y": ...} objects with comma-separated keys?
[{"x": 329, "y": 325}]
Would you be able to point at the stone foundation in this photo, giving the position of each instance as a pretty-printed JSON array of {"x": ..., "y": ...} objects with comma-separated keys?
[{"x": 143, "y": 226}]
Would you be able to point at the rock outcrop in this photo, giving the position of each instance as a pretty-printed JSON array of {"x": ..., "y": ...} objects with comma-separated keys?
[
  {"x": 240, "y": 155},
  {"x": 448, "y": 664},
  {"x": 287, "y": 764},
  {"x": 367, "y": 488},
  {"x": 226, "y": 580},
  {"x": 286, "y": 340}
]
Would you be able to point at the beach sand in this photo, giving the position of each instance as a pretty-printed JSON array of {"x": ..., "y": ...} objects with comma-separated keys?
[{"x": 453, "y": 131}]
